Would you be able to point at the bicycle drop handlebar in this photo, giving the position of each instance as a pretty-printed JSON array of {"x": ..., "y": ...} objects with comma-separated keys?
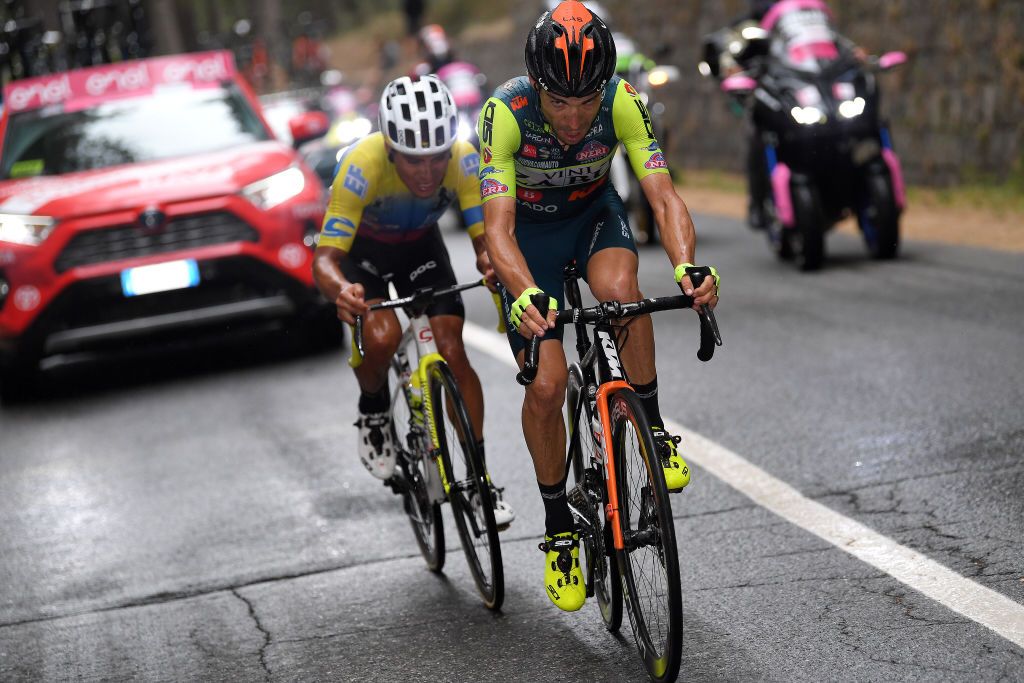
[
  {"x": 421, "y": 298},
  {"x": 710, "y": 337}
]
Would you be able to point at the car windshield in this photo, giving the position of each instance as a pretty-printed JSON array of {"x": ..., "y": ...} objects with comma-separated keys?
[{"x": 169, "y": 123}]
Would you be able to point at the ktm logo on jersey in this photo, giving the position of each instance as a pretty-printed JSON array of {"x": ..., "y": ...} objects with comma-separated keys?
[{"x": 518, "y": 103}]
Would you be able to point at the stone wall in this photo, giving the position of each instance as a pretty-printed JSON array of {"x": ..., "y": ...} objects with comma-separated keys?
[{"x": 957, "y": 108}]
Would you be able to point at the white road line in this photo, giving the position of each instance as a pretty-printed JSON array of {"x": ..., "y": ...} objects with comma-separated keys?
[{"x": 976, "y": 602}]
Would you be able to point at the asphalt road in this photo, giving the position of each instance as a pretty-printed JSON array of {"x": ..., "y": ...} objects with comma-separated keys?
[{"x": 203, "y": 516}]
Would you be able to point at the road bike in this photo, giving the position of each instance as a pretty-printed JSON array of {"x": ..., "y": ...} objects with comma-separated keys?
[
  {"x": 437, "y": 453},
  {"x": 618, "y": 495}
]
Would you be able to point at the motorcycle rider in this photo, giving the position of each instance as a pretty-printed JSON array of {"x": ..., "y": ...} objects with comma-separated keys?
[{"x": 800, "y": 35}]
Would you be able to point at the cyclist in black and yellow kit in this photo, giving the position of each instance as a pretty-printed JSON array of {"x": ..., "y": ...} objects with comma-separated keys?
[
  {"x": 547, "y": 142},
  {"x": 389, "y": 191}
]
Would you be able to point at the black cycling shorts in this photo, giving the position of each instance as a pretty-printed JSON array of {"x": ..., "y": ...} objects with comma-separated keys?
[
  {"x": 422, "y": 262},
  {"x": 550, "y": 246}
]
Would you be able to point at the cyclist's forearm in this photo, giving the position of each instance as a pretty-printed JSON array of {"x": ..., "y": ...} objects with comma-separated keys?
[
  {"x": 503, "y": 249},
  {"x": 678, "y": 236},
  {"x": 327, "y": 272}
]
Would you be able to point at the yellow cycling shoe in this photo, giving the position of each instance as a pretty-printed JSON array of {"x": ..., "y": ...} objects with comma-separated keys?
[
  {"x": 563, "y": 578},
  {"x": 677, "y": 472}
]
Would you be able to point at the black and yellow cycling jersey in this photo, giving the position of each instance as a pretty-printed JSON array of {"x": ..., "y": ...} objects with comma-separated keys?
[
  {"x": 521, "y": 158},
  {"x": 368, "y": 197}
]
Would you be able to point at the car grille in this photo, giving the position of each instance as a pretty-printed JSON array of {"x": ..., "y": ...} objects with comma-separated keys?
[{"x": 130, "y": 241}]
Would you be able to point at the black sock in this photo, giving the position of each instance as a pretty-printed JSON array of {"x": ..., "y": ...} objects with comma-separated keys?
[
  {"x": 557, "y": 518},
  {"x": 377, "y": 402},
  {"x": 648, "y": 394}
]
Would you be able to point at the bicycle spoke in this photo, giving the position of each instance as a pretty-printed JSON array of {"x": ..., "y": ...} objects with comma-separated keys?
[
  {"x": 649, "y": 565},
  {"x": 468, "y": 493}
]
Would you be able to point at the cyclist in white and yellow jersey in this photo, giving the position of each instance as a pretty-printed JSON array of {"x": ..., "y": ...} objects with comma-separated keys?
[
  {"x": 547, "y": 142},
  {"x": 389, "y": 191}
]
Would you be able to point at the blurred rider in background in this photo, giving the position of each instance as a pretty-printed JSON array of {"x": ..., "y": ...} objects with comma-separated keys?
[
  {"x": 381, "y": 227},
  {"x": 801, "y": 36}
]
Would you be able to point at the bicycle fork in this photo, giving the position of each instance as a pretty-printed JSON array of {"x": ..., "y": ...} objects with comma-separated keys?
[{"x": 612, "y": 507}]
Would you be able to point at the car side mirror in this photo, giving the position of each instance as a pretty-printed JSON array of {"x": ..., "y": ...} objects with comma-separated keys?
[{"x": 307, "y": 126}]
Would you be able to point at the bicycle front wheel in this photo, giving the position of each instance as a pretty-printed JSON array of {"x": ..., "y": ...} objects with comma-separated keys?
[
  {"x": 414, "y": 459},
  {"x": 588, "y": 497},
  {"x": 649, "y": 563},
  {"x": 469, "y": 491}
]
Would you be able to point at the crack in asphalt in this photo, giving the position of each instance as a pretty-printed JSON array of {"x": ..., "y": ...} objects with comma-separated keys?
[
  {"x": 173, "y": 596},
  {"x": 164, "y": 597},
  {"x": 259, "y": 627}
]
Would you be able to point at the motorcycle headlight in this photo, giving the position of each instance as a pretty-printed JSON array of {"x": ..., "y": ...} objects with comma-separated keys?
[
  {"x": 354, "y": 129},
  {"x": 808, "y": 116},
  {"x": 657, "y": 77},
  {"x": 278, "y": 188},
  {"x": 30, "y": 230},
  {"x": 852, "y": 108}
]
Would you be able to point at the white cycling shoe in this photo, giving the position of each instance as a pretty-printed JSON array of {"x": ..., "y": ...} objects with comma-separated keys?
[
  {"x": 376, "y": 445},
  {"x": 503, "y": 512}
]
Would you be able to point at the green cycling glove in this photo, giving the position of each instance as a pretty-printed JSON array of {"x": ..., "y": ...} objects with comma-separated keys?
[
  {"x": 515, "y": 315},
  {"x": 681, "y": 272}
]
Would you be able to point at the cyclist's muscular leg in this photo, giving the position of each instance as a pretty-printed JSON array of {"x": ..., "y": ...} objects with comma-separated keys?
[
  {"x": 448, "y": 336},
  {"x": 381, "y": 336},
  {"x": 612, "y": 275},
  {"x": 543, "y": 426}
]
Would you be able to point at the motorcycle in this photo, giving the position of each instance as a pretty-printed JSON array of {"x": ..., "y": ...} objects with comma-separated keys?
[{"x": 828, "y": 152}]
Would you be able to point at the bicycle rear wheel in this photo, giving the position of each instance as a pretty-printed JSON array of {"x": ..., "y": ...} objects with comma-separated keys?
[
  {"x": 415, "y": 462},
  {"x": 588, "y": 497},
  {"x": 649, "y": 563},
  {"x": 466, "y": 476}
]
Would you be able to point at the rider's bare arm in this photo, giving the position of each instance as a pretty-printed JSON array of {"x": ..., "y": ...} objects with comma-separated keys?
[
  {"x": 507, "y": 259},
  {"x": 347, "y": 296}
]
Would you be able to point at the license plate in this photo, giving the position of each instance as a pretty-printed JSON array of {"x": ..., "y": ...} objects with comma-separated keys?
[{"x": 160, "y": 277}]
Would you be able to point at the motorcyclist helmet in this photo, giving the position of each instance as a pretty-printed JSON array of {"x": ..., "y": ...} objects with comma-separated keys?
[
  {"x": 435, "y": 46},
  {"x": 570, "y": 51},
  {"x": 418, "y": 117}
]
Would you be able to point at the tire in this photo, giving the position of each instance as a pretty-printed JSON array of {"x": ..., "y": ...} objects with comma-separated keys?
[
  {"x": 649, "y": 563},
  {"x": 419, "y": 469},
  {"x": 597, "y": 549},
  {"x": 810, "y": 228},
  {"x": 879, "y": 218},
  {"x": 19, "y": 377},
  {"x": 466, "y": 475},
  {"x": 780, "y": 238}
]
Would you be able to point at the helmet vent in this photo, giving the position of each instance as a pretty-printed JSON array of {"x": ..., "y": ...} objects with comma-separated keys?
[
  {"x": 406, "y": 114},
  {"x": 421, "y": 102},
  {"x": 392, "y": 131},
  {"x": 424, "y": 133}
]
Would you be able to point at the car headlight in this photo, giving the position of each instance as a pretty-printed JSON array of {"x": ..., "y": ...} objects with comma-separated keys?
[
  {"x": 30, "y": 230},
  {"x": 807, "y": 115},
  {"x": 278, "y": 188},
  {"x": 852, "y": 108}
]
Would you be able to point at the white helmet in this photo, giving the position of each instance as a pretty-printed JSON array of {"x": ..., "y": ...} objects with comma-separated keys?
[{"x": 418, "y": 117}]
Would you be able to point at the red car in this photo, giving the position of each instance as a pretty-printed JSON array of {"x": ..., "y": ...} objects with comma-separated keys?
[{"x": 143, "y": 200}]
